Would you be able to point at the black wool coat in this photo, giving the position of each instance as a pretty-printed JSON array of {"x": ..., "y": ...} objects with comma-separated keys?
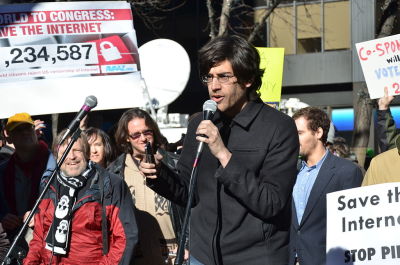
[{"x": 241, "y": 213}]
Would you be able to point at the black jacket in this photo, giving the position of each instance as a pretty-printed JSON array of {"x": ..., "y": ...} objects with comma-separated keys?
[
  {"x": 241, "y": 213},
  {"x": 4, "y": 243},
  {"x": 386, "y": 130}
]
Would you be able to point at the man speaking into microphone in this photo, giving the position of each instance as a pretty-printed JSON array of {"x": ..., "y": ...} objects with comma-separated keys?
[{"x": 247, "y": 168}]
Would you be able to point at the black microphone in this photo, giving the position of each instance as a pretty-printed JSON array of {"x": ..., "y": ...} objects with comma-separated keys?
[
  {"x": 90, "y": 103},
  {"x": 209, "y": 108}
]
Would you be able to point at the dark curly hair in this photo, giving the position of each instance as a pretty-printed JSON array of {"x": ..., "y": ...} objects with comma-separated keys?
[
  {"x": 316, "y": 118},
  {"x": 243, "y": 56}
]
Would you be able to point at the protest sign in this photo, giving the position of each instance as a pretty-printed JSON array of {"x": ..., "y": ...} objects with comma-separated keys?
[
  {"x": 380, "y": 60},
  {"x": 363, "y": 225},
  {"x": 53, "y": 55},
  {"x": 271, "y": 59}
]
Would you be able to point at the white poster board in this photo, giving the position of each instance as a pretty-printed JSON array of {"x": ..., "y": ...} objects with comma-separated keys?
[
  {"x": 363, "y": 225},
  {"x": 53, "y": 55},
  {"x": 380, "y": 62}
]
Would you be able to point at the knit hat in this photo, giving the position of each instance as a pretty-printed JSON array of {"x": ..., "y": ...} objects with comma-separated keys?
[{"x": 18, "y": 119}]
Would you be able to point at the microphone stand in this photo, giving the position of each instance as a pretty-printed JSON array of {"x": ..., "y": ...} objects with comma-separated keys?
[
  {"x": 146, "y": 93},
  {"x": 7, "y": 259},
  {"x": 192, "y": 185}
]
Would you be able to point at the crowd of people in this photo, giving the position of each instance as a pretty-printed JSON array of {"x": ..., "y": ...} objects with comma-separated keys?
[{"x": 260, "y": 195}]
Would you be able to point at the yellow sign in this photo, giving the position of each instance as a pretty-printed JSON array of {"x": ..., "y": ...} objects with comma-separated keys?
[{"x": 272, "y": 62}]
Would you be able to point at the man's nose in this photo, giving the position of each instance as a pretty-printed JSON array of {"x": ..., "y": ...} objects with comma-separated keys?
[
  {"x": 71, "y": 154},
  {"x": 215, "y": 84}
]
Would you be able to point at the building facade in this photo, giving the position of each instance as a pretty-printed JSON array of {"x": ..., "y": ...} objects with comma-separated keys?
[{"x": 319, "y": 36}]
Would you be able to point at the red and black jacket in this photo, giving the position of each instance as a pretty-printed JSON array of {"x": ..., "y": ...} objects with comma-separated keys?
[{"x": 103, "y": 191}]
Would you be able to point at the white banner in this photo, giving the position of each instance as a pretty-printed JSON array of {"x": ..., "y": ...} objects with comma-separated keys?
[
  {"x": 54, "y": 55},
  {"x": 380, "y": 62},
  {"x": 363, "y": 226}
]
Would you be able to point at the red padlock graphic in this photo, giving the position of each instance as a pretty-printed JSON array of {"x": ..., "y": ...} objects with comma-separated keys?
[{"x": 112, "y": 50}]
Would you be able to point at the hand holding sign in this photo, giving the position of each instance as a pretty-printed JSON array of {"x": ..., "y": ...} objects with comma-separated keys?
[{"x": 384, "y": 102}]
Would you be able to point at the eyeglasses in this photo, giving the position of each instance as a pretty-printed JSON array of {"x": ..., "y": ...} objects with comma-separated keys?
[
  {"x": 138, "y": 134},
  {"x": 221, "y": 78}
]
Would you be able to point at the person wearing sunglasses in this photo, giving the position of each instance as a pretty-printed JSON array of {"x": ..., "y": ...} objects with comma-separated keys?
[{"x": 158, "y": 221}]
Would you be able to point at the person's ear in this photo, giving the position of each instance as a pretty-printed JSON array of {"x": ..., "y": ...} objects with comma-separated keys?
[
  {"x": 319, "y": 133},
  {"x": 7, "y": 136}
]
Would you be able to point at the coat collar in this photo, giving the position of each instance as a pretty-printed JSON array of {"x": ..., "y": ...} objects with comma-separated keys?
[{"x": 245, "y": 117}]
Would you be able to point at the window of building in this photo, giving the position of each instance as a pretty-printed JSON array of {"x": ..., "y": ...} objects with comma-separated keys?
[
  {"x": 308, "y": 45},
  {"x": 310, "y": 26}
]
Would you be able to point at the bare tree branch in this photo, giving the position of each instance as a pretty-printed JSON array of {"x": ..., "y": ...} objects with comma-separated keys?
[
  {"x": 260, "y": 24},
  {"x": 390, "y": 9},
  {"x": 225, "y": 13},
  {"x": 211, "y": 19},
  {"x": 363, "y": 106},
  {"x": 152, "y": 12}
]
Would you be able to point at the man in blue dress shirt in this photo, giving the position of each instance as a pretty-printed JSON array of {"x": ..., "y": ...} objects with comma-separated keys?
[{"x": 320, "y": 172}]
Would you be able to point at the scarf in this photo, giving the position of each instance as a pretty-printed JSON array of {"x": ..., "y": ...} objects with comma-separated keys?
[{"x": 57, "y": 238}]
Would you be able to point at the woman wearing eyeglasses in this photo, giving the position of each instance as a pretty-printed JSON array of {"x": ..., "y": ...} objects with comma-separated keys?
[{"x": 157, "y": 219}]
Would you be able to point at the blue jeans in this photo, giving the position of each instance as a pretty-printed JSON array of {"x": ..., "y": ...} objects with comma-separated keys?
[{"x": 194, "y": 261}]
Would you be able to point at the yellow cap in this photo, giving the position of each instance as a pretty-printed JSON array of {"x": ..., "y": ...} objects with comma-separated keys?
[{"x": 18, "y": 119}]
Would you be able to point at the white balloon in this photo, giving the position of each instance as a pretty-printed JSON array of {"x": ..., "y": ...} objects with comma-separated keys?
[{"x": 165, "y": 67}]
